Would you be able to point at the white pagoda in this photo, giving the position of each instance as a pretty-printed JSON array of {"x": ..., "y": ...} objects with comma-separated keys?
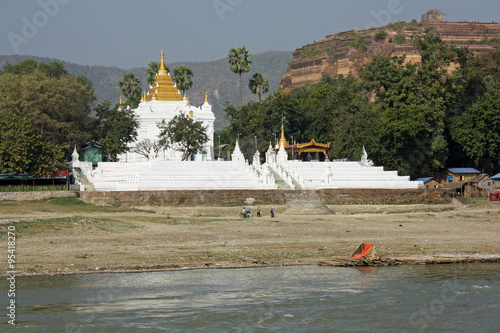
[{"x": 163, "y": 102}]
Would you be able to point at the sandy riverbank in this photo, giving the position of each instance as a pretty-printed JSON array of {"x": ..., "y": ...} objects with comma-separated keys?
[{"x": 58, "y": 241}]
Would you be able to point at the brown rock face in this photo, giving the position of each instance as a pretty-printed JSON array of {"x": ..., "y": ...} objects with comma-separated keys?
[{"x": 345, "y": 52}]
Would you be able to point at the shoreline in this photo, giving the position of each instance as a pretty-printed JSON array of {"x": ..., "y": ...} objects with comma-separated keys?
[{"x": 334, "y": 262}]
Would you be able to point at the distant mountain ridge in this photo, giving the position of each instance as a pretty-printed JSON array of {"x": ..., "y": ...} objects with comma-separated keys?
[{"x": 212, "y": 77}]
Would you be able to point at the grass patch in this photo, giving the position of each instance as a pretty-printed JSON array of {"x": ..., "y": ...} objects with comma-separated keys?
[
  {"x": 71, "y": 224},
  {"x": 57, "y": 205}
]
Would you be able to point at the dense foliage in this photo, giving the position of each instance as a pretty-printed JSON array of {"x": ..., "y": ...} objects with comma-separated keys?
[
  {"x": 22, "y": 151},
  {"x": 115, "y": 128},
  {"x": 416, "y": 118},
  {"x": 44, "y": 111},
  {"x": 183, "y": 134}
]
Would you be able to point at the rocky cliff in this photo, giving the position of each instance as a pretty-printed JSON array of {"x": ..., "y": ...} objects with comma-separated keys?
[{"x": 345, "y": 52}]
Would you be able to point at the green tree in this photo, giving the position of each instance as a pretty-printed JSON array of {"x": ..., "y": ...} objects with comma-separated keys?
[
  {"x": 358, "y": 42},
  {"x": 22, "y": 151},
  {"x": 130, "y": 88},
  {"x": 24, "y": 67},
  {"x": 414, "y": 99},
  {"x": 184, "y": 134},
  {"x": 399, "y": 39},
  {"x": 380, "y": 36},
  {"x": 239, "y": 59},
  {"x": 116, "y": 127},
  {"x": 478, "y": 130},
  {"x": 183, "y": 77},
  {"x": 53, "y": 69},
  {"x": 152, "y": 70},
  {"x": 59, "y": 107},
  {"x": 258, "y": 85}
]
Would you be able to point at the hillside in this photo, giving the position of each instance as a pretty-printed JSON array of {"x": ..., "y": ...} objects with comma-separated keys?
[
  {"x": 213, "y": 77},
  {"x": 345, "y": 52}
]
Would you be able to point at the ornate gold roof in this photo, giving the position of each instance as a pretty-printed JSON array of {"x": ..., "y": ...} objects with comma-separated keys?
[
  {"x": 313, "y": 143},
  {"x": 163, "y": 87}
]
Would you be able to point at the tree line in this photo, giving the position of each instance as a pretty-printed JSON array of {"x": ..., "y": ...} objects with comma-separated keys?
[{"x": 416, "y": 118}]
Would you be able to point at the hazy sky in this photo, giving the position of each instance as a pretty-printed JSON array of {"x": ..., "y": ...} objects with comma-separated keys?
[{"x": 129, "y": 33}]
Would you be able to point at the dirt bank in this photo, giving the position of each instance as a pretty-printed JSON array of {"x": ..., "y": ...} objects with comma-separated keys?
[{"x": 50, "y": 240}]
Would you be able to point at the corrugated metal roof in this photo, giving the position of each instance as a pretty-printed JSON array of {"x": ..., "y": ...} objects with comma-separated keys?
[
  {"x": 463, "y": 170},
  {"x": 497, "y": 176},
  {"x": 424, "y": 180}
]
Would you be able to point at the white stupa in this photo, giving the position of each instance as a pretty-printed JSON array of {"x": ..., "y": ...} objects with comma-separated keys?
[{"x": 163, "y": 102}]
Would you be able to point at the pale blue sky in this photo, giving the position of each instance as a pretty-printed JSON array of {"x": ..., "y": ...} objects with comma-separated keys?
[{"x": 128, "y": 33}]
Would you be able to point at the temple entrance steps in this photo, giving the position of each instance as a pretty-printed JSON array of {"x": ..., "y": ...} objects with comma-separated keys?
[
  {"x": 282, "y": 185},
  {"x": 88, "y": 185},
  {"x": 83, "y": 179},
  {"x": 304, "y": 202}
]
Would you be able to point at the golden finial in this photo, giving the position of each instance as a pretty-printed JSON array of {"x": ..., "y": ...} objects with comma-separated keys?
[
  {"x": 163, "y": 69},
  {"x": 283, "y": 139},
  {"x": 187, "y": 100},
  {"x": 206, "y": 97},
  {"x": 120, "y": 99}
]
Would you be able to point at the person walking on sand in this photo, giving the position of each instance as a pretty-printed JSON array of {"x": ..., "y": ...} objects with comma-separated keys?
[
  {"x": 258, "y": 211},
  {"x": 272, "y": 212}
]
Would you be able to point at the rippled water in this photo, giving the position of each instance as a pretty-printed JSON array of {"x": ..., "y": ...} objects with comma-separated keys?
[{"x": 433, "y": 298}]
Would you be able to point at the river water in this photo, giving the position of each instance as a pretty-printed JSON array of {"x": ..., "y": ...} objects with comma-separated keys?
[{"x": 427, "y": 298}]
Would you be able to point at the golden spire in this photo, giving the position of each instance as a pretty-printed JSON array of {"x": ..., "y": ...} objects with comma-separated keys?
[
  {"x": 163, "y": 69},
  {"x": 283, "y": 139},
  {"x": 187, "y": 100},
  {"x": 164, "y": 89},
  {"x": 120, "y": 99},
  {"x": 206, "y": 97}
]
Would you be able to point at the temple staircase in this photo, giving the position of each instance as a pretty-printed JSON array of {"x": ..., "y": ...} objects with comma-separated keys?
[
  {"x": 282, "y": 185},
  {"x": 304, "y": 202}
]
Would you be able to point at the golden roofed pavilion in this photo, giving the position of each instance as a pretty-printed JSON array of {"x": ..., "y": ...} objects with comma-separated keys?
[
  {"x": 304, "y": 151},
  {"x": 163, "y": 88}
]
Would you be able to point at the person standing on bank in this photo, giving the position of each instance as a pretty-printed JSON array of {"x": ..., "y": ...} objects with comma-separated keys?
[
  {"x": 258, "y": 211},
  {"x": 272, "y": 212}
]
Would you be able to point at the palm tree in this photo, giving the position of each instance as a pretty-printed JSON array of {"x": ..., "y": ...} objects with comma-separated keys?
[
  {"x": 154, "y": 66},
  {"x": 258, "y": 84},
  {"x": 130, "y": 87},
  {"x": 239, "y": 58},
  {"x": 183, "y": 78}
]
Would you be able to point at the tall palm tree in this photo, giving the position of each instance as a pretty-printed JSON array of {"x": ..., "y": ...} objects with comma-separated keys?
[
  {"x": 258, "y": 84},
  {"x": 130, "y": 87},
  {"x": 153, "y": 68},
  {"x": 183, "y": 78},
  {"x": 239, "y": 59}
]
